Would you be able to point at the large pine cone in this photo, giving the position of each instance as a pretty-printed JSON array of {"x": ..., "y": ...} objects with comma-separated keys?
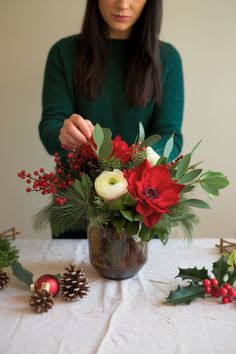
[
  {"x": 73, "y": 283},
  {"x": 4, "y": 279},
  {"x": 42, "y": 301}
]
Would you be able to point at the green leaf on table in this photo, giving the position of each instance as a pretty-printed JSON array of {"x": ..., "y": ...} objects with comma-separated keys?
[
  {"x": 8, "y": 253},
  {"x": 183, "y": 166},
  {"x": 220, "y": 269},
  {"x": 190, "y": 176},
  {"x": 184, "y": 295},
  {"x": 169, "y": 147},
  {"x": 151, "y": 140},
  {"x": 231, "y": 259},
  {"x": 232, "y": 277},
  {"x": 196, "y": 203},
  {"x": 21, "y": 273},
  {"x": 194, "y": 274}
]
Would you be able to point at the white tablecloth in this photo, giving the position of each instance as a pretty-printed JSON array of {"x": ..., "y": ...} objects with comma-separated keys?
[{"x": 116, "y": 317}]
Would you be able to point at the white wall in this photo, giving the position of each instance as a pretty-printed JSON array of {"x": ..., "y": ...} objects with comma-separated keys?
[{"x": 204, "y": 31}]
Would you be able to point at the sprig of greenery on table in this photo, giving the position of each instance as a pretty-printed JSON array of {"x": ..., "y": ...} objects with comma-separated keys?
[
  {"x": 9, "y": 256},
  {"x": 223, "y": 270}
]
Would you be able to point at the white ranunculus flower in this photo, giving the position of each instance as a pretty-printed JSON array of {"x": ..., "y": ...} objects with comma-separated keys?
[
  {"x": 152, "y": 156},
  {"x": 111, "y": 185}
]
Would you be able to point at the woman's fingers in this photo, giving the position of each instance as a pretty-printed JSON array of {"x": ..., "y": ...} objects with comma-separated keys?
[{"x": 76, "y": 130}]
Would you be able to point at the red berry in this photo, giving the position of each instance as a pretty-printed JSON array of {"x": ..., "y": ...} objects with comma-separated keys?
[
  {"x": 214, "y": 282},
  {"x": 207, "y": 290},
  {"x": 36, "y": 173},
  {"x": 28, "y": 181},
  {"x": 225, "y": 300},
  {"x": 206, "y": 282},
  {"x": 41, "y": 170},
  {"x": 227, "y": 286},
  {"x": 28, "y": 190},
  {"x": 223, "y": 291},
  {"x": 232, "y": 292}
]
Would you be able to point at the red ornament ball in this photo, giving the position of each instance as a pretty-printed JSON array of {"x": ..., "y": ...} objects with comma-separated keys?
[{"x": 48, "y": 282}]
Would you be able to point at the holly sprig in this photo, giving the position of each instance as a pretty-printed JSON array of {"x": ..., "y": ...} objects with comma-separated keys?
[
  {"x": 9, "y": 256},
  {"x": 201, "y": 282}
]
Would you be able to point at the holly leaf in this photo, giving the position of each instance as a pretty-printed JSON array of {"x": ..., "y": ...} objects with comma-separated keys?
[
  {"x": 184, "y": 295},
  {"x": 220, "y": 269},
  {"x": 21, "y": 273},
  {"x": 232, "y": 277},
  {"x": 194, "y": 274}
]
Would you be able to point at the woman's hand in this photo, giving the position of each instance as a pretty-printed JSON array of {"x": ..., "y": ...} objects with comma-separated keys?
[{"x": 76, "y": 130}]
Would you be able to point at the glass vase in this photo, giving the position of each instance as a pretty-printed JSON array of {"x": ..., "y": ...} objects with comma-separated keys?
[{"x": 115, "y": 255}]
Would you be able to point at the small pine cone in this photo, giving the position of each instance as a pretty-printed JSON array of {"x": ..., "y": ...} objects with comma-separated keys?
[
  {"x": 73, "y": 284},
  {"x": 42, "y": 301},
  {"x": 4, "y": 279}
]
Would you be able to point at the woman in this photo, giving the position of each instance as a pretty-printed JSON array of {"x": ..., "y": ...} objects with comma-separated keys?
[{"x": 116, "y": 72}]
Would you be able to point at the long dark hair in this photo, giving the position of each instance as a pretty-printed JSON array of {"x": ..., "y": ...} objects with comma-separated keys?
[{"x": 143, "y": 70}]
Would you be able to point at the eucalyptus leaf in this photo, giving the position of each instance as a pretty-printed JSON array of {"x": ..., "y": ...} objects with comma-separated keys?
[
  {"x": 98, "y": 135},
  {"x": 195, "y": 147},
  {"x": 183, "y": 166},
  {"x": 128, "y": 214},
  {"x": 141, "y": 132},
  {"x": 118, "y": 223},
  {"x": 190, "y": 176},
  {"x": 169, "y": 146},
  {"x": 197, "y": 203},
  {"x": 105, "y": 148},
  {"x": 151, "y": 140}
]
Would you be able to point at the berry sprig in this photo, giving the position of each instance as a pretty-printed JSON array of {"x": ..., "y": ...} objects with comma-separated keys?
[
  {"x": 218, "y": 283},
  {"x": 226, "y": 292}
]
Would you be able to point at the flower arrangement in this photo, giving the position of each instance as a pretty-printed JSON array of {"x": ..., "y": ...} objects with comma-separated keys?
[{"x": 131, "y": 187}]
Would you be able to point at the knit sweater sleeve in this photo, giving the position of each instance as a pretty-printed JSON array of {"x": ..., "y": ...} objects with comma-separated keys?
[
  {"x": 167, "y": 118},
  {"x": 57, "y": 101}
]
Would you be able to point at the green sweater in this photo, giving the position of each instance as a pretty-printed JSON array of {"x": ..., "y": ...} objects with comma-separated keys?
[{"x": 111, "y": 108}]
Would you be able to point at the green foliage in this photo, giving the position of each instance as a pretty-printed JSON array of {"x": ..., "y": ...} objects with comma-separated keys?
[
  {"x": 211, "y": 182},
  {"x": 8, "y": 253},
  {"x": 72, "y": 215},
  {"x": 102, "y": 138},
  {"x": 193, "y": 274},
  {"x": 220, "y": 269},
  {"x": 185, "y": 295},
  {"x": 151, "y": 140},
  {"x": 169, "y": 147},
  {"x": 21, "y": 273}
]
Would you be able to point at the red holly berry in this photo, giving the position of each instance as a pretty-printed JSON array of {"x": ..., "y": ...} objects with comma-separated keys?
[
  {"x": 225, "y": 300},
  {"x": 232, "y": 292},
  {"x": 214, "y": 282},
  {"x": 207, "y": 290},
  {"x": 227, "y": 286},
  {"x": 206, "y": 282},
  {"x": 223, "y": 291}
]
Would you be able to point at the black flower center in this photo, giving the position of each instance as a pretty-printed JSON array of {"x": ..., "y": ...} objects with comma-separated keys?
[{"x": 150, "y": 193}]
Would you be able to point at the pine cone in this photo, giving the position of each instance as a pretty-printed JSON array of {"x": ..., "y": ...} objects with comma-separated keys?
[
  {"x": 4, "y": 279},
  {"x": 42, "y": 301},
  {"x": 73, "y": 284}
]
